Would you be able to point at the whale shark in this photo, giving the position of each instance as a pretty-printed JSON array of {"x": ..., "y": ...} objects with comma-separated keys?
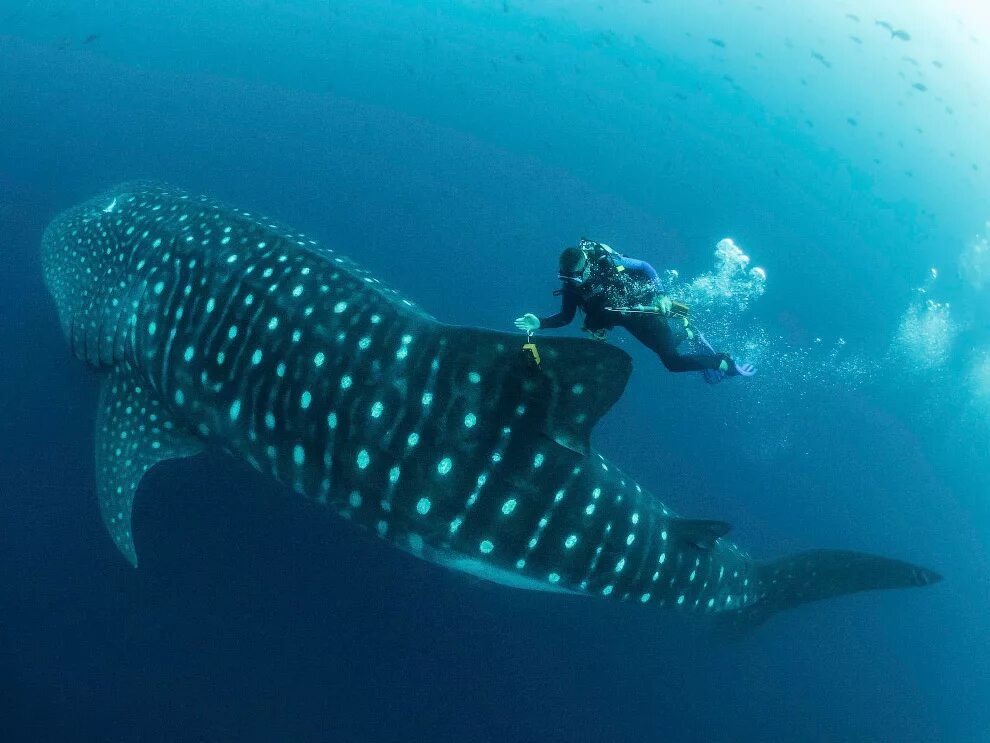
[{"x": 216, "y": 328}]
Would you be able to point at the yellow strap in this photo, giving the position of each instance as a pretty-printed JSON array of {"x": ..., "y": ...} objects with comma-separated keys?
[{"x": 531, "y": 347}]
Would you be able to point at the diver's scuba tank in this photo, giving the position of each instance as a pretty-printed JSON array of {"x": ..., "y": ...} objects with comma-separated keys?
[{"x": 595, "y": 251}]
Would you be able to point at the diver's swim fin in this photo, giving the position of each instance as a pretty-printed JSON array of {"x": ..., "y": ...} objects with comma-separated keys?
[{"x": 712, "y": 376}]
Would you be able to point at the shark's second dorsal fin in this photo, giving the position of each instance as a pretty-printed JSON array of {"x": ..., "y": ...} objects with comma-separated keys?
[
  {"x": 701, "y": 533},
  {"x": 133, "y": 433}
]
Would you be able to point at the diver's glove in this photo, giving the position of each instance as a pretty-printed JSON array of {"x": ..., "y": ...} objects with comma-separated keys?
[
  {"x": 663, "y": 304},
  {"x": 528, "y": 322}
]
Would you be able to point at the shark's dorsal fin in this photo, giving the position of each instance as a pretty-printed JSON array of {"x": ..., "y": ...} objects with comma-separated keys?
[
  {"x": 566, "y": 386},
  {"x": 133, "y": 433},
  {"x": 582, "y": 380}
]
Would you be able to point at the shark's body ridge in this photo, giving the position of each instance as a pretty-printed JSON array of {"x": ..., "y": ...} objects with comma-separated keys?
[{"x": 217, "y": 327}]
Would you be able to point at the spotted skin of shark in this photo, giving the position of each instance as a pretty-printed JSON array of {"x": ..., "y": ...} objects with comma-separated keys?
[{"x": 216, "y": 328}]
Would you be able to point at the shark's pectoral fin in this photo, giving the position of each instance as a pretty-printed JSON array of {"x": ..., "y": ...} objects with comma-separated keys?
[
  {"x": 133, "y": 433},
  {"x": 701, "y": 533}
]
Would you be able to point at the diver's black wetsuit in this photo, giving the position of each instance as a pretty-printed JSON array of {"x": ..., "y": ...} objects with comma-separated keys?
[{"x": 617, "y": 281}]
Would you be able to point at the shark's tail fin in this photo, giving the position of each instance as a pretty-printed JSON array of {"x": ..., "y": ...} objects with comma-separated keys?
[{"x": 815, "y": 575}]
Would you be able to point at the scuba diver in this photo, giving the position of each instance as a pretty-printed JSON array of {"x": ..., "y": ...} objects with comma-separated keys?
[{"x": 613, "y": 290}]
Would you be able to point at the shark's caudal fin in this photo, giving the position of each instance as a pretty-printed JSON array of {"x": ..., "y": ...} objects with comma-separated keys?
[
  {"x": 133, "y": 433},
  {"x": 568, "y": 383},
  {"x": 819, "y": 574}
]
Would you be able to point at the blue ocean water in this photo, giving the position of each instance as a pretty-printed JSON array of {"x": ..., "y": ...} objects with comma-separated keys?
[{"x": 454, "y": 148}]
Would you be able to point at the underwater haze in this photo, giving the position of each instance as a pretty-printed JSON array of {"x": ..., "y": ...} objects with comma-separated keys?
[{"x": 812, "y": 178}]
